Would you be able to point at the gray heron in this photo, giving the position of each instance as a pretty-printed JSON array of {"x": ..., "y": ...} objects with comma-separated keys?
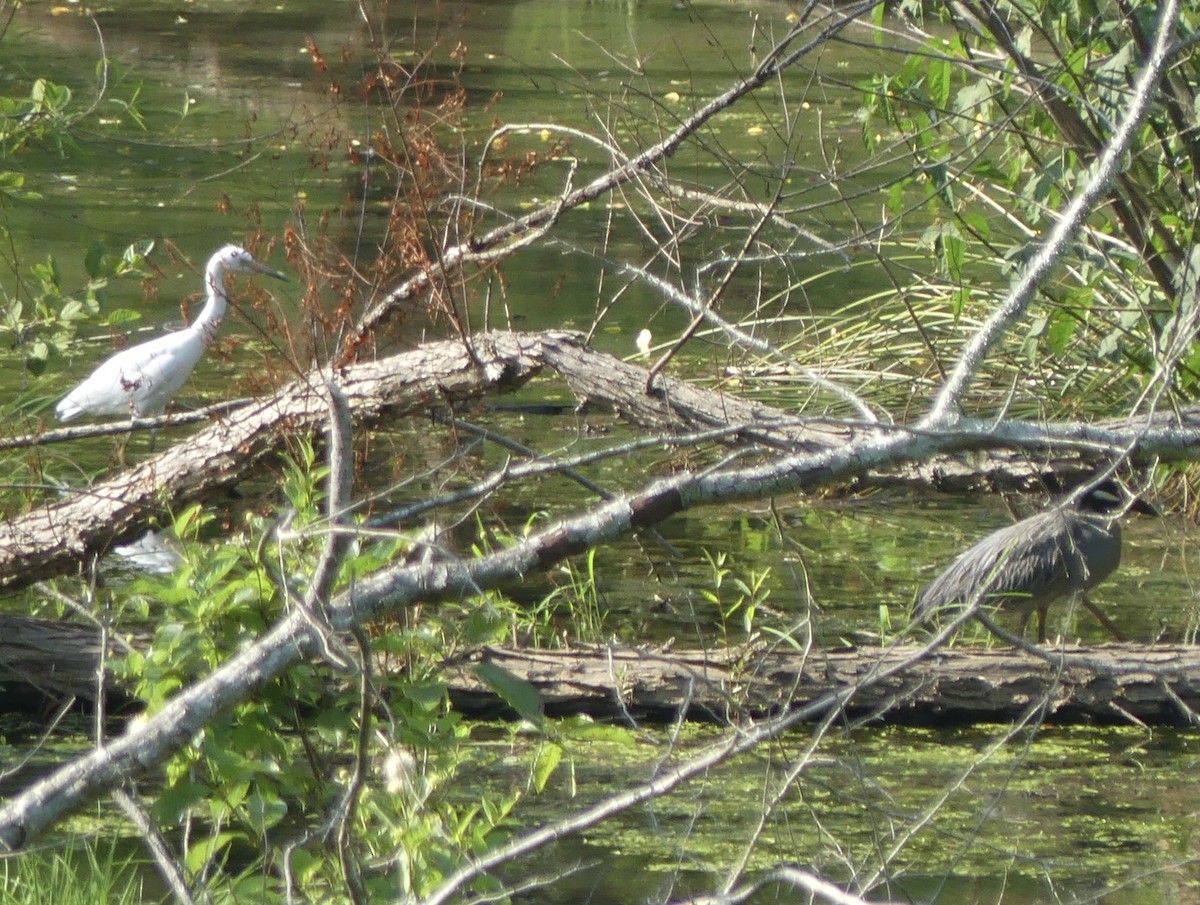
[{"x": 1023, "y": 568}]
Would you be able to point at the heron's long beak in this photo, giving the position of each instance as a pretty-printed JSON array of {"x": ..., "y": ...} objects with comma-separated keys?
[{"x": 262, "y": 268}]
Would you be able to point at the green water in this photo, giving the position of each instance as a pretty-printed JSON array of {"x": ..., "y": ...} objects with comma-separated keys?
[
  {"x": 1053, "y": 814},
  {"x": 237, "y": 117}
]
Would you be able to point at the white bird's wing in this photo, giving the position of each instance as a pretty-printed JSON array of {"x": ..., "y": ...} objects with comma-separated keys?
[
  {"x": 138, "y": 380},
  {"x": 164, "y": 367}
]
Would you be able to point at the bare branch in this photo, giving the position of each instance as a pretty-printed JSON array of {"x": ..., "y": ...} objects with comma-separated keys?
[
  {"x": 169, "y": 867},
  {"x": 789, "y": 875},
  {"x": 944, "y": 410},
  {"x": 774, "y": 63},
  {"x": 703, "y": 311}
]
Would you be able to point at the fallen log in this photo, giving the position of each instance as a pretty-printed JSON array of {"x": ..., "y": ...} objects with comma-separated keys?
[
  {"x": 44, "y": 660},
  {"x": 599, "y": 380},
  {"x": 48, "y": 540},
  {"x": 1152, "y": 684}
]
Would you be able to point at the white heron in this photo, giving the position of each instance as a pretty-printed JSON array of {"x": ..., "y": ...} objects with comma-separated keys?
[{"x": 143, "y": 379}]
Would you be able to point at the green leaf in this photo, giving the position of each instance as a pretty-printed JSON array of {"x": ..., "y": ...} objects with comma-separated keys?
[
  {"x": 305, "y": 865},
  {"x": 54, "y": 96},
  {"x": 202, "y": 852},
  {"x": 959, "y": 300},
  {"x": 188, "y": 521},
  {"x": 13, "y": 185},
  {"x": 979, "y": 224},
  {"x": 176, "y": 799},
  {"x": 119, "y": 316},
  {"x": 1062, "y": 330},
  {"x": 953, "y": 253},
  {"x": 93, "y": 261},
  {"x": 264, "y": 810},
  {"x": 548, "y": 757},
  {"x": 938, "y": 82},
  {"x": 135, "y": 255},
  {"x": 485, "y": 625},
  {"x": 1109, "y": 344},
  {"x": 235, "y": 793},
  {"x": 427, "y": 695},
  {"x": 515, "y": 691}
]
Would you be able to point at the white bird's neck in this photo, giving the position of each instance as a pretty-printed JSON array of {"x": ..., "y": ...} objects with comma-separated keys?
[{"x": 213, "y": 313}]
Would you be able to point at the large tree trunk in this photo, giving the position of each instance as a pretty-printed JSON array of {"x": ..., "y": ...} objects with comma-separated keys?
[{"x": 1126, "y": 682}]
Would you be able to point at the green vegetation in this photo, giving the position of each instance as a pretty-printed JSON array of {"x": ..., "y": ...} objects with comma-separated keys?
[{"x": 83, "y": 872}]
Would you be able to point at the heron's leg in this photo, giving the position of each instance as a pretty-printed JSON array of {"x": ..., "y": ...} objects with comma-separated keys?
[
  {"x": 134, "y": 422},
  {"x": 1023, "y": 623},
  {"x": 1042, "y": 611},
  {"x": 1104, "y": 620},
  {"x": 122, "y": 445}
]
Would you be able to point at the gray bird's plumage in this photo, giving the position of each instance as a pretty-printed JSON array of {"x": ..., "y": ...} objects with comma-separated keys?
[{"x": 1026, "y": 566}]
